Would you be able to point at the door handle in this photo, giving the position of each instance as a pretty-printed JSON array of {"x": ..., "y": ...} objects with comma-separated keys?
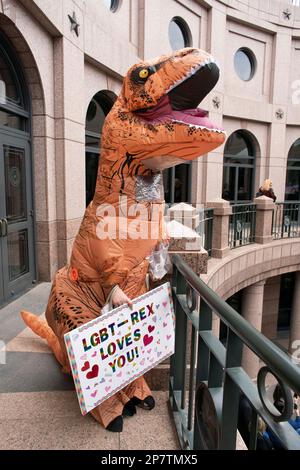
[
  {"x": 1, "y": 227},
  {"x": 4, "y": 227}
]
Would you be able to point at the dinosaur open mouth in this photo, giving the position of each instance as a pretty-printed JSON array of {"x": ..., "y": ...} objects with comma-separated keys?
[{"x": 181, "y": 101}]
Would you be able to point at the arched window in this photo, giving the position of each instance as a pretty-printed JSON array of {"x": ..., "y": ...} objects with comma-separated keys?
[
  {"x": 179, "y": 33},
  {"x": 14, "y": 102},
  {"x": 292, "y": 185},
  {"x": 239, "y": 164},
  {"x": 98, "y": 109}
]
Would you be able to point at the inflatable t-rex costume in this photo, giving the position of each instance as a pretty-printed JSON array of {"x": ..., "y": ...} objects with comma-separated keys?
[{"x": 154, "y": 120}]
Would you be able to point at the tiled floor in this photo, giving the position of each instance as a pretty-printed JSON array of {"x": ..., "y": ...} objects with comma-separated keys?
[{"x": 38, "y": 404}]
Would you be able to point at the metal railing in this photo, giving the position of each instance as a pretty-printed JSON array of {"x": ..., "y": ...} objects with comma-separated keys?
[
  {"x": 205, "y": 394},
  {"x": 286, "y": 220},
  {"x": 205, "y": 228},
  {"x": 242, "y": 225}
]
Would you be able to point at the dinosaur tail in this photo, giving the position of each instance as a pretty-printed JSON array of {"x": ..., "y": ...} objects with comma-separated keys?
[{"x": 43, "y": 330}]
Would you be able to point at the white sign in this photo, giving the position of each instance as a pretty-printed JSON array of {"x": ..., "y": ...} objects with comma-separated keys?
[{"x": 108, "y": 353}]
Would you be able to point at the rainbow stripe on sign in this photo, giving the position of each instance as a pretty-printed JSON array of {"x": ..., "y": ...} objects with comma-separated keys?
[{"x": 75, "y": 373}]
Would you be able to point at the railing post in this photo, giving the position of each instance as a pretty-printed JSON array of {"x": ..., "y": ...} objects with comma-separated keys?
[
  {"x": 264, "y": 216},
  {"x": 222, "y": 211},
  {"x": 183, "y": 220}
]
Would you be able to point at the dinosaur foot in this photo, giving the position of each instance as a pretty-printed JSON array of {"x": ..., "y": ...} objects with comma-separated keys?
[
  {"x": 116, "y": 425},
  {"x": 147, "y": 404}
]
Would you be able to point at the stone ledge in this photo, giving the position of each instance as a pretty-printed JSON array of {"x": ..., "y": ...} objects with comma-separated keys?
[
  {"x": 197, "y": 260},
  {"x": 252, "y": 263}
]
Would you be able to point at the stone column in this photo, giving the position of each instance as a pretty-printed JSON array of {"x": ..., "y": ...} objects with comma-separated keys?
[
  {"x": 222, "y": 211},
  {"x": 295, "y": 317},
  {"x": 264, "y": 214},
  {"x": 252, "y": 308},
  {"x": 70, "y": 111},
  {"x": 182, "y": 222},
  {"x": 271, "y": 306}
]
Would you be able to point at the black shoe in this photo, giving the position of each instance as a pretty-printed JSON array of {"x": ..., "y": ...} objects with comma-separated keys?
[
  {"x": 147, "y": 404},
  {"x": 116, "y": 425},
  {"x": 129, "y": 409}
]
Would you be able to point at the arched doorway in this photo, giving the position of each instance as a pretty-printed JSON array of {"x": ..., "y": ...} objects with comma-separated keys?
[
  {"x": 239, "y": 167},
  {"x": 98, "y": 109},
  {"x": 292, "y": 185},
  {"x": 17, "y": 257}
]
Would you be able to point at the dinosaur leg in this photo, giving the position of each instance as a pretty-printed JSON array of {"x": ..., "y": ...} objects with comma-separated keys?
[{"x": 114, "y": 407}]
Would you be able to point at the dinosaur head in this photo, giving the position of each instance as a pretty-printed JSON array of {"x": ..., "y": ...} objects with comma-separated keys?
[{"x": 159, "y": 101}]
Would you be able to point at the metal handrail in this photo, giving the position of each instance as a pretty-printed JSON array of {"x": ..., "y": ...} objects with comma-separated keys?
[
  {"x": 216, "y": 372},
  {"x": 271, "y": 354},
  {"x": 286, "y": 220}
]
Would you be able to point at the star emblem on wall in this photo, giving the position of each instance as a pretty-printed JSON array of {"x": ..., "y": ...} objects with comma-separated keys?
[
  {"x": 279, "y": 113},
  {"x": 74, "y": 23},
  {"x": 287, "y": 14},
  {"x": 216, "y": 102}
]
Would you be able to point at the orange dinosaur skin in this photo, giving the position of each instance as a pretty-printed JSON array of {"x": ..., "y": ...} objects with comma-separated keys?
[{"x": 97, "y": 264}]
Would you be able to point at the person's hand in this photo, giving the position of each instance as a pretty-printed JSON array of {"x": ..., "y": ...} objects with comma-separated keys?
[{"x": 119, "y": 298}]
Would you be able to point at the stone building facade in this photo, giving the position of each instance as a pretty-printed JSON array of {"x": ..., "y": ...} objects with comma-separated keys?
[{"x": 61, "y": 67}]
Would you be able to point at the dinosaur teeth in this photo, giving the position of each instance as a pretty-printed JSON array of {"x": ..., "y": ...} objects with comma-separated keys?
[{"x": 200, "y": 127}]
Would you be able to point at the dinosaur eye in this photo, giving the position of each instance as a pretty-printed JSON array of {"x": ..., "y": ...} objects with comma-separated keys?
[
  {"x": 141, "y": 74},
  {"x": 144, "y": 73}
]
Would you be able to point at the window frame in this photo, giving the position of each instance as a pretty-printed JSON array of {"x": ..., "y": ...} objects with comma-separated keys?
[
  {"x": 109, "y": 99},
  {"x": 185, "y": 31},
  {"x": 252, "y": 59},
  {"x": 248, "y": 142},
  {"x": 292, "y": 168},
  {"x": 23, "y": 110}
]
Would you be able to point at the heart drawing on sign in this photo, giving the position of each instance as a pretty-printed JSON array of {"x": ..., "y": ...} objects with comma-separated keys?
[
  {"x": 147, "y": 340},
  {"x": 165, "y": 303},
  {"x": 94, "y": 393},
  {"x": 165, "y": 324},
  {"x": 93, "y": 373},
  {"x": 151, "y": 328},
  {"x": 86, "y": 366}
]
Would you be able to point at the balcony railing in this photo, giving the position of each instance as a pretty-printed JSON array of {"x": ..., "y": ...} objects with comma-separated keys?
[
  {"x": 205, "y": 228},
  {"x": 205, "y": 394},
  {"x": 286, "y": 220},
  {"x": 242, "y": 225}
]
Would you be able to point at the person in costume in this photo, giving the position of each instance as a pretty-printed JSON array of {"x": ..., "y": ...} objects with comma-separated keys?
[{"x": 154, "y": 124}]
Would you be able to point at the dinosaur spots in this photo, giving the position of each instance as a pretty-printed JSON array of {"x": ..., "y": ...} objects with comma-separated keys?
[{"x": 169, "y": 126}]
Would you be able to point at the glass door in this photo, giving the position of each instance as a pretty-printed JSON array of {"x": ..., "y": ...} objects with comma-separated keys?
[{"x": 16, "y": 216}]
